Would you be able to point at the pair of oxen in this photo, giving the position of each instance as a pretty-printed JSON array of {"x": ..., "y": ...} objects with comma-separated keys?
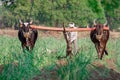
[{"x": 99, "y": 37}]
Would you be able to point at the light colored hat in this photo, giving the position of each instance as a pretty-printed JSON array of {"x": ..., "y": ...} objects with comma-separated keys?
[{"x": 71, "y": 25}]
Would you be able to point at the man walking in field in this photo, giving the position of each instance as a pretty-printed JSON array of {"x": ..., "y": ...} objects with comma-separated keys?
[{"x": 72, "y": 37}]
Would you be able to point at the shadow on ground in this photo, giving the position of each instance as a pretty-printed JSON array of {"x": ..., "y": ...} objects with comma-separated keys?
[{"x": 103, "y": 73}]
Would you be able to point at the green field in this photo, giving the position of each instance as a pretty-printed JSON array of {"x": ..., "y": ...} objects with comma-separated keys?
[{"x": 43, "y": 63}]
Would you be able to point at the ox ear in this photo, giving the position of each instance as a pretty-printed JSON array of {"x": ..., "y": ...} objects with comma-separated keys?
[
  {"x": 20, "y": 22},
  {"x": 31, "y": 22}
]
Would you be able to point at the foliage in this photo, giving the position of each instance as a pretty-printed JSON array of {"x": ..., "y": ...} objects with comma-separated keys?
[
  {"x": 112, "y": 10},
  {"x": 55, "y": 12},
  {"x": 26, "y": 65}
]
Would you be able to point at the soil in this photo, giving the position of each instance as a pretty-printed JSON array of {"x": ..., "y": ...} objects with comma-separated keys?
[{"x": 13, "y": 33}]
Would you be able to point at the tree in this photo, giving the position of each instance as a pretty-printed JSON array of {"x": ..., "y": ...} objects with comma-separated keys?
[
  {"x": 110, "y": 8},
  {"x": 55, "y": 12}
]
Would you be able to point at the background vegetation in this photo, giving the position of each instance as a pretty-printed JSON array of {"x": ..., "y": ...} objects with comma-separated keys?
[{"x": 55, "y": 12}]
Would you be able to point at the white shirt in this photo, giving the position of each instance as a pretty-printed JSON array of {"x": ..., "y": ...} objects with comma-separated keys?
[{"x": 72, "y": 35}]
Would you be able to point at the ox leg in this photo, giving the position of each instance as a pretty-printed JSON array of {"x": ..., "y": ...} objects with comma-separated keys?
[
  {"x": 31, "y": 47},
  {"x": 23, "y": 47},
  {"x": 27, "y": 48},
  {"x": 101, "y": 53},
  {"x": 97, "y": 49},
  {"x": 102, "y": 50}
]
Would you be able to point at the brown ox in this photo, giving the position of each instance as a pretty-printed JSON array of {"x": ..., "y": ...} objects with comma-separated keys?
[
  {"x": 27, "y": 35},
  {"x": 99, "y": 37}
]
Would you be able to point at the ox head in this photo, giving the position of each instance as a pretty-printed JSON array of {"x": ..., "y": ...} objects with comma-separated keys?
[
  {"x": 99, "y": 29},
  {"x": 25, "y": 25},
  {"x": 26, "y": 29}
]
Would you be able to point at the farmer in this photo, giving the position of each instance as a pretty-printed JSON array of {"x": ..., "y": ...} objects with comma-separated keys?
[{"x": 72, "y": 37}]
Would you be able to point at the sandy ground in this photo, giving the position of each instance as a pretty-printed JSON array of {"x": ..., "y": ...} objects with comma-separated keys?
[{"x": 14, "y": 33}]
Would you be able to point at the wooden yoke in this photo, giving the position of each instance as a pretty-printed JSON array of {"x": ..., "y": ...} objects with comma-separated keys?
[
  {"x": 62, "y": 29},
  {"x": 69, "y": 44}
]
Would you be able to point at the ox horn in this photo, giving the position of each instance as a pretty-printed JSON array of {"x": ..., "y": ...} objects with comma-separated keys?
[
  {"x": 106, "y": 23},
  {"x": 20, "y": 23},
  {"x": 31, "y": 22},
  {"x": 87, "y": 26},
  {"x": 94, "y": 21}
]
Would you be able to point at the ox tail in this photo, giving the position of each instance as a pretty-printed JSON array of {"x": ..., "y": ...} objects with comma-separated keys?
[{"x": 106, "y": 52}]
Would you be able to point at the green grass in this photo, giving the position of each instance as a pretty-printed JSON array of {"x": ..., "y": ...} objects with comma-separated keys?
[{"x": 19, "y": 65}]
